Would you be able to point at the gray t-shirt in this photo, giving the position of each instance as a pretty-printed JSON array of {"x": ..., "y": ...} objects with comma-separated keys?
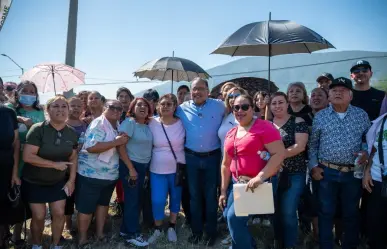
[{"x": 139, "y": 147}]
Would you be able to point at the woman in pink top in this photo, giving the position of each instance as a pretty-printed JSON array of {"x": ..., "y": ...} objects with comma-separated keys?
[
  {"x": 241, "y": 160},
  {"x": 163, "y": 164}
]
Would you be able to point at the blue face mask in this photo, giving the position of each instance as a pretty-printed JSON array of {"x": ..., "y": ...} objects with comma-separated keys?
[{"x": 27, "y": 100}]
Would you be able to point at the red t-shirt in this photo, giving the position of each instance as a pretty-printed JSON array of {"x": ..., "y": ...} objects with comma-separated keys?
[{"x": 249, "y": 162}]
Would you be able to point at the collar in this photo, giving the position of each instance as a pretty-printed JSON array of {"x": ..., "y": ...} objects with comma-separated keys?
[
  {"x": 331, "y": 110},
  {"x": 193, "y": 103}
]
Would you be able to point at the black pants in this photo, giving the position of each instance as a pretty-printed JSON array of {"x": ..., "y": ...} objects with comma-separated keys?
[
  {"x": 146, "y": 204},
  {"x": 185, "y": 202},
  {"x": 377, "y": 218}
]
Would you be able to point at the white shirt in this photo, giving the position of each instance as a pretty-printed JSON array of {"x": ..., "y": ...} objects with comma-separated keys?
[
  {"x": 227, "y": 124},
  {"x": 376, "y": 166}
]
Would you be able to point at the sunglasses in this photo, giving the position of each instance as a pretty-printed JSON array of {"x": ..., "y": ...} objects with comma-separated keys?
[
  {"x": 58, "y": 138},
  {"x": 244, "y": 107},
  {"x": 115, "y": 108},
  {"x": 358, "y": 70},
  {"x": 10, "y": 88},
  {"x": 233, "y": 95}
]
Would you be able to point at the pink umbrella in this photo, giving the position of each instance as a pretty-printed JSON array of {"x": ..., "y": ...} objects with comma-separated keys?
[{"x": 54, "y": 77}]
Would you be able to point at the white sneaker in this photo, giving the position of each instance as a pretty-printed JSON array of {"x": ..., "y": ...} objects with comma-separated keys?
[
  {"x": 138, "y": 241},
  {"x": 226, "y": 241},
  {"x": 266, "y": 223},
  {"x": 172, "y": 237},
  {"x": 156, "y": 234},
  {"x": 256, "y": 221}
]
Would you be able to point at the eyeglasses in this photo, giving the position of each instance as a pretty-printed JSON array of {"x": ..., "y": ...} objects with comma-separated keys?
[
  {"x": 168, "y": 104},
  {"x": 244, "y": 107},
  {"x": 115, "y": 108},
  {"x": 233, "y": 95},
  {"x": 58, "y": 138},
  {"x": 358, "y": 70}
]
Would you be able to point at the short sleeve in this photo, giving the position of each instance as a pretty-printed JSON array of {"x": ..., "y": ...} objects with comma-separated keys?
[
  {"x": 34, "y": 135},
  {"x": 94, "y": 135},
  {"x": 270, "y": 133},
  {"x": 74, "y": 137},
  {"x": 302, "y": 127},
  {"x": 127, "y": 127}
]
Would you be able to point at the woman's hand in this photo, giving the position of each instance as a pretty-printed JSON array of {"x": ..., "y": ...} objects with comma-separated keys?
[
  {"x": 27, "y": 121},
  {"x": 254, "y": 183},
  {"x": 367, "y": 181},
  {"x": 122, "y": 139},
  {"x": 62, "y": 166},
  {"x": 15, "y": 180},
  {"x": 70, "y": 185},
  {"x": 222, "y": 201},
  {"x": 133, "y": 174}
]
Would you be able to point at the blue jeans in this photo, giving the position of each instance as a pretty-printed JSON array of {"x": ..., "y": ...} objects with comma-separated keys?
[
  {"x": 286, "y": 219},
  {"x": 342, "y": 186},
  {"x": 130, "y": 224},
  {"x": 162, "y": 184},
  {"x": 239, "y": 231},
  {"x": 202, "y": 173}
]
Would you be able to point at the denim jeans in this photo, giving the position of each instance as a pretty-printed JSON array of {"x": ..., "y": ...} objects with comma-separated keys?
[
  {"x": 239, "y": 231},
  {"x": 162, "y": 185},
  {"x": 286, "y": 218},
  {"x": 202, "y": 175},
  {"x": 130, "y": 224},
  {"x": 342, "y": 186}
]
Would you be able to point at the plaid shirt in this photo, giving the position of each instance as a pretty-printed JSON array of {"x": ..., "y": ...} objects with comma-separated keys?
[{"x": 335, "y": 140}]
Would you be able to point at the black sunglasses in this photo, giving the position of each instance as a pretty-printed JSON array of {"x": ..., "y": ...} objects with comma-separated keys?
[
  {"x": 58, "y": 138},
  {"x": 358, "y": 70},
  {"x": 9, "y": 88},
  {"x": 115, "y": 108},
  {"x": 244, "y": 107}
]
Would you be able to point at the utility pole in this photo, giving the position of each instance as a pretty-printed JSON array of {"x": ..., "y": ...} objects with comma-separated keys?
[{"x": 71, "y": 38}]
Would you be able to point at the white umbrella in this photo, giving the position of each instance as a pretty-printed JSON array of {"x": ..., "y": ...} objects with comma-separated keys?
[{"x": 53, "y": 77}]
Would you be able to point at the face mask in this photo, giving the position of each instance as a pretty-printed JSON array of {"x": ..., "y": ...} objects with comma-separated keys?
[{"x": 27, "y": 100}]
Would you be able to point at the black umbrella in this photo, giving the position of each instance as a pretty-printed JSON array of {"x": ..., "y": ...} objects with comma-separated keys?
[
  {"x": 171, "y": 68},
  {"x": 270, "y": 38}
]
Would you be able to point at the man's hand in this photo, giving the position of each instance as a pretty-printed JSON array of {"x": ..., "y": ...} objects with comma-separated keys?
[
  {"x": 363, "y": 157},
  {"x": 317, "y": 173}
]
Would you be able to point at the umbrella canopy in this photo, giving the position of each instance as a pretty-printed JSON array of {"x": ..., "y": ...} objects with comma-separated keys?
[
  {"x": 250, "y": 84},
  {"x": 171, "y": 68},
  {"x": 54, "y": 77},
  {"x": 284, "y": 37}
]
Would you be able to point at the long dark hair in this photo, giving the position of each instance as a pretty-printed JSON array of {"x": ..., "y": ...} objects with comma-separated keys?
[
  {"x": 20, "y": 88},
  {"x": 263, "y": 93}
]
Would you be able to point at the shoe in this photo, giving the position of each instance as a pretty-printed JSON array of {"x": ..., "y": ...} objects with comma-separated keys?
[
  {"x": 37, "y": 247},
  {"x": 209, "y": 240},
  {"x": 156, "y": 234},
  {"x": 226, "y": 241},
  {"x": 56, "y": 247},
  {"x": 138, "y": 241},
  {"x": 172, "y": 237},
  {"x": 194, "y": 239},
  {"x": 256, "y": 221},
  {"x": 123, "y": 235},
  {"x": 266, "y": 223}
]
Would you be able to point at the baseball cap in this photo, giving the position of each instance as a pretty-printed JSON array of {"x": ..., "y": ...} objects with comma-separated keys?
[
  {"x": 325, "y": 75},
  {"x": 361, "y": 63},
  {"x": 341, "y": 81}
]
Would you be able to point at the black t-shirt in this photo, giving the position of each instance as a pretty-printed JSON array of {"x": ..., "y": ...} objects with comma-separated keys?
[
  {"x": 8, "y": 125},
  {"x": 306, "y": 113},
  {"x": 370, "y": 101}
]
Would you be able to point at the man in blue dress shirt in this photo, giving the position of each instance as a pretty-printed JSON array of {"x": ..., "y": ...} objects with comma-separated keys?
[{"x": 202, "y": 118}]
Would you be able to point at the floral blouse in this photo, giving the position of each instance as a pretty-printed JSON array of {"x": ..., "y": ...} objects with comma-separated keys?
[
  {"x": 297, "y": 163},
  {"x": 88, "y": 163}
]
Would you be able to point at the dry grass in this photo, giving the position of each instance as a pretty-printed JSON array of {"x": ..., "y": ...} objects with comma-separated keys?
[{"x": 262, "y": 235}]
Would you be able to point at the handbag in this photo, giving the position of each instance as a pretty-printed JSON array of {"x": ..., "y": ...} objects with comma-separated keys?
[
  {"x": 180, "y": 167},
  {"x": 381, "y": 159},
  {"x": 14, "y": 196}
]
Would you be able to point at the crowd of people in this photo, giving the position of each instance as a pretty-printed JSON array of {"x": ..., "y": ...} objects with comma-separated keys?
[{"x": 188, "y": 150}]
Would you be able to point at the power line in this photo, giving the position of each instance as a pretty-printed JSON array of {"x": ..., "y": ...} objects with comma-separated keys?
[{"x": 9, "y": 76}]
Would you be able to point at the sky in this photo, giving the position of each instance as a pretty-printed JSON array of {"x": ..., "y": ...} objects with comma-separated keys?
[{"x": 115, "y": 37}]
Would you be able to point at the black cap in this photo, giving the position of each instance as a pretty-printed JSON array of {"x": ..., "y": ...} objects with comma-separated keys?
[
  {"x": 361, "y": 63},
  {"x": 341, "y": 81},
  {"x": 325, "y": 75}
]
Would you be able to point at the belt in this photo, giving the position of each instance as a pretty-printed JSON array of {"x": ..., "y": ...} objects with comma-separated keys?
[
  {"x": 341, "y": 168},
  {"x": 201, "y": 154}
]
